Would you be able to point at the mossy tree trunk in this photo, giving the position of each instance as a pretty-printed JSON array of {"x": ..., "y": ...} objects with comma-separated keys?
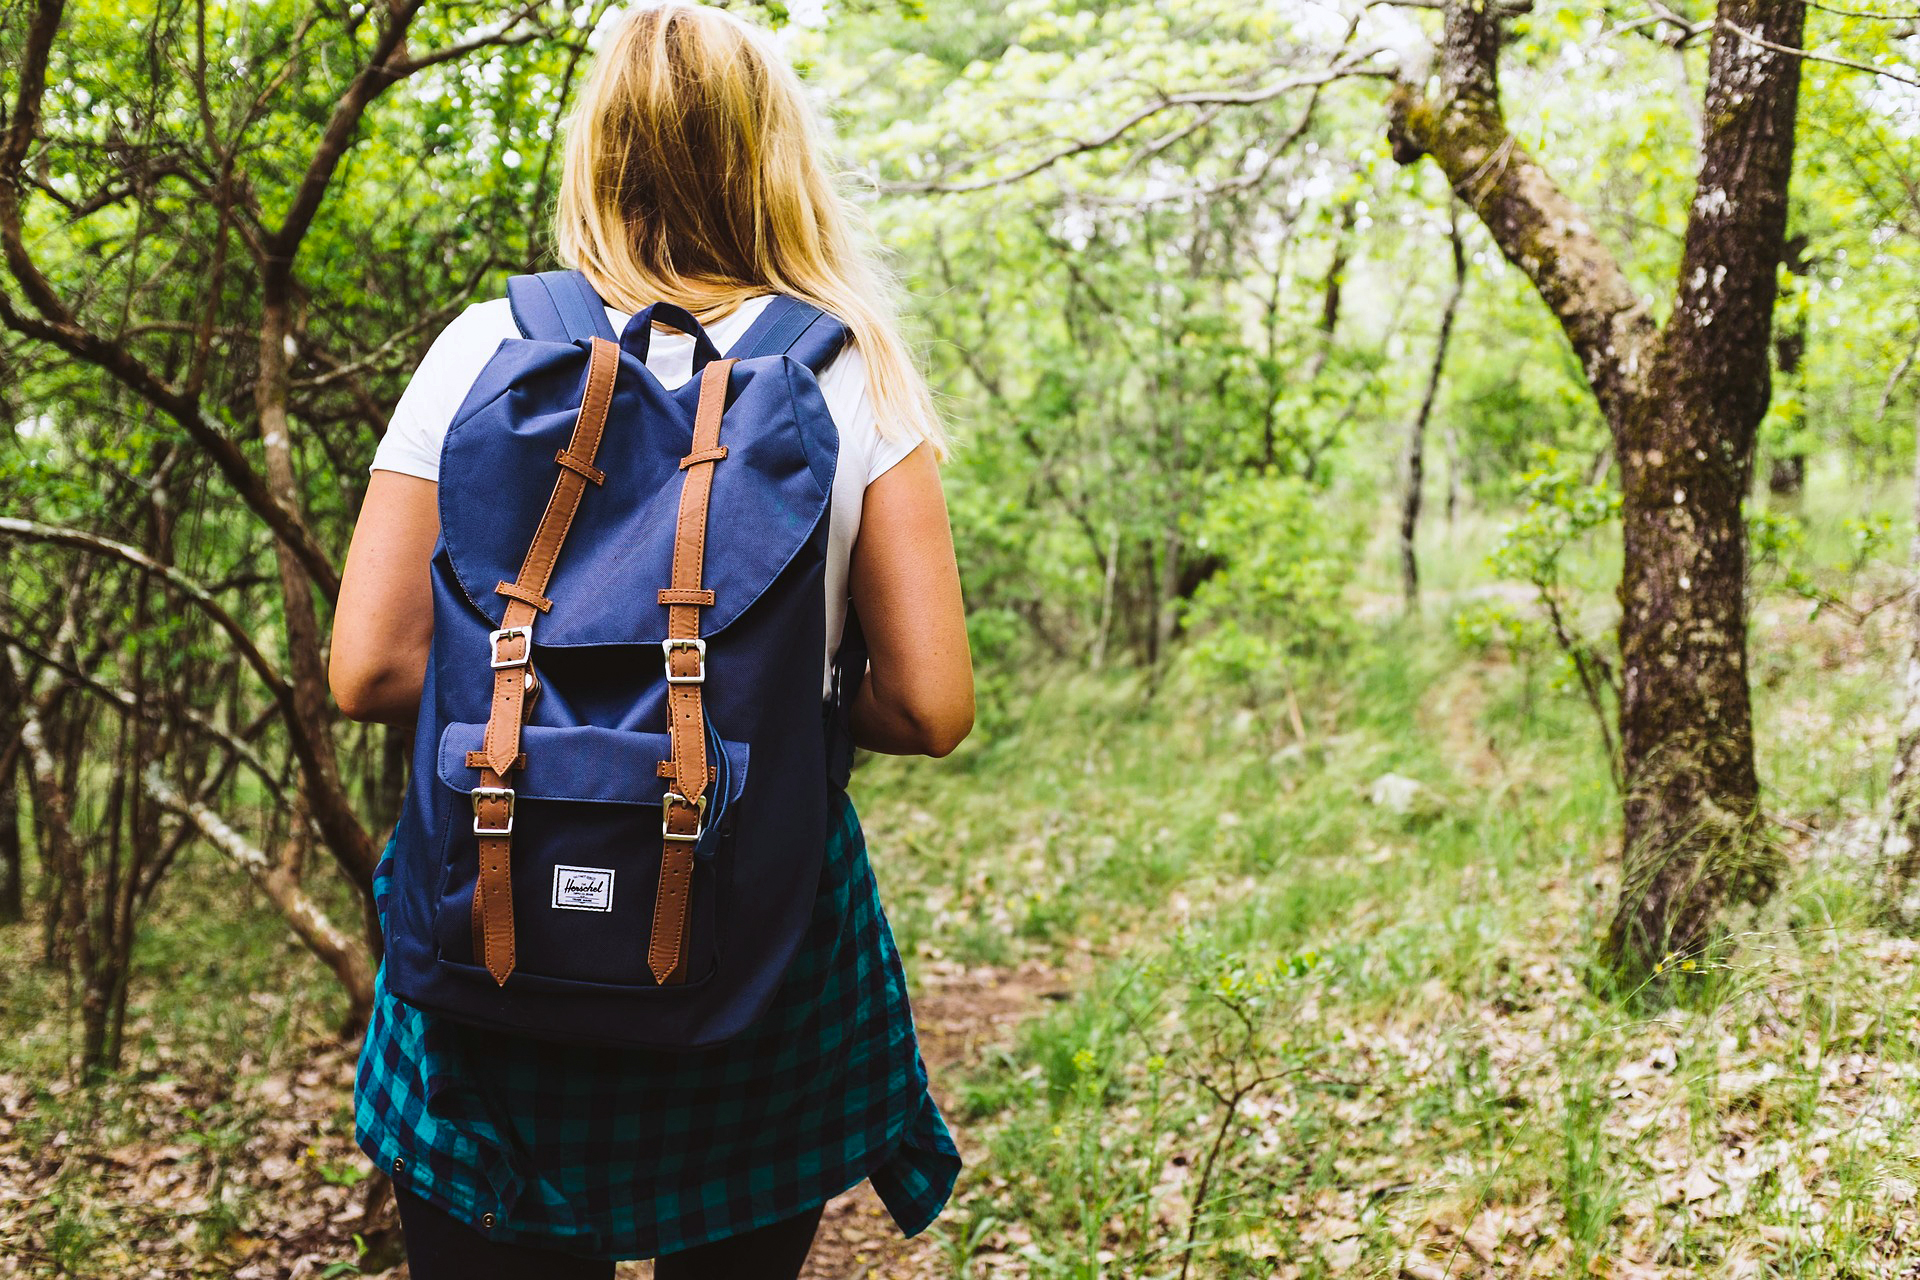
[{"x": 1684, "y": 402}]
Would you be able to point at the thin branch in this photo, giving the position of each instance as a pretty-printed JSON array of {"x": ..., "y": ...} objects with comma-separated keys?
[
  {"x": 94, "y": 544},
  {"x": 382, "y": 69},
  {"x": 126, "y": 704},
  {"x": 1353, "y": 68},
  {"x": 502, "y": 36},
  {"x": 1810, "y": 56},
  {"x": 333, "y": 809}
]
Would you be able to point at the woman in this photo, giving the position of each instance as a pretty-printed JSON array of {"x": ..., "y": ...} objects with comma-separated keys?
[{"x": 692, "y": 177}]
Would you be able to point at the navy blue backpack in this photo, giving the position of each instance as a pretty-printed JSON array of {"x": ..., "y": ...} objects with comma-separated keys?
[{"x": 624, "y": 761}]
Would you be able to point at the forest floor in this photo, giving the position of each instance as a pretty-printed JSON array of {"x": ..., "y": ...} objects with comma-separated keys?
[{"x": 1205, "y": 991}]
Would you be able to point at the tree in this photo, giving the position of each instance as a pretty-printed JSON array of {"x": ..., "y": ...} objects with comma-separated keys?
[
  {"x": 1683, "y": 401},
  {"x": 1415, "y": 471}
]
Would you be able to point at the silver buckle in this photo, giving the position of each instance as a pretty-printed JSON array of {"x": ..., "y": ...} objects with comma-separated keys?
[
  {"x": 492, "y": 793},
  {"x": 507, "y": 633},
  {"x": 699, "y": 804},
  {"x": 667, "y": 647}
]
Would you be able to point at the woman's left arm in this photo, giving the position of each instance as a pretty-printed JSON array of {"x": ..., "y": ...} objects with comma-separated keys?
[{"x": 383, "y": 624}]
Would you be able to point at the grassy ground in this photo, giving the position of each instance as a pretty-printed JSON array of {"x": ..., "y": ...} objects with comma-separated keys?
[{"x": 1285, "y": 1019}]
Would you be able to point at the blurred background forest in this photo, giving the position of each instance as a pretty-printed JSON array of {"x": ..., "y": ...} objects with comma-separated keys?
[{"x": 1434, "y": 503}]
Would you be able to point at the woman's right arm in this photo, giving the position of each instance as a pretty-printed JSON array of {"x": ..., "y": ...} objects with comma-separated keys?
[
  {"x": 917, "y": 698},
  {"x": 383, "y": 625}
]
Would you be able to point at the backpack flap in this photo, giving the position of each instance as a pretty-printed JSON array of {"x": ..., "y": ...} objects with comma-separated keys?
[
  {"x": 769, "y": 495},
  {"x": 583, "y": 764}
]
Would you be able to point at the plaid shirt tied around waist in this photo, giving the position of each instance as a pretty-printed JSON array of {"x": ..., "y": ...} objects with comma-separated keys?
[{"x": 625, "y": 1153}]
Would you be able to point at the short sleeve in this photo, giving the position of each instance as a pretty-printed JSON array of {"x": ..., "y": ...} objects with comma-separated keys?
[
  {"x": 433, "y": 395},
  {"x": 843, "y": 384}
]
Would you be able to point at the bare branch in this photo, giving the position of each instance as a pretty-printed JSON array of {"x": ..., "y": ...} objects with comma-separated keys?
[
  {"x": 501, "y": 36},
  {"x": 94, "y": 544},
  {"x": 382, "y": 69},
  {"x": 126, "y": 704},
  {"x": 1351, "y": 68}
]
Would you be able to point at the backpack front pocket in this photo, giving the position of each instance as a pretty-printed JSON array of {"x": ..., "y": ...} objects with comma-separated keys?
[{"x": 585, "y": 851}]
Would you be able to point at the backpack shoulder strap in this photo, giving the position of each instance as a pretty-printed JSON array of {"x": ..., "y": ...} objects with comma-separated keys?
[
  {"x": 558, "y": 306},
  {"x": 791, "y": 327}
]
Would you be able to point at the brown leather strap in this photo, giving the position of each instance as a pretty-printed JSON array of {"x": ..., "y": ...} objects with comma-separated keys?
[
  {"x": 581, "y": 465},
  {"x": 685, "y": 803},
  {"x": 514, "y": 684},
  {"x": 703, "y": 455},
  {"x": 514, "y": 591}
]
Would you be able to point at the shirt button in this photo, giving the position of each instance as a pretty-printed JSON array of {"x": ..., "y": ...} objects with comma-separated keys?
[
  {"x": 486, "y": 1220},
  {"x": 399, "y": 1164}
]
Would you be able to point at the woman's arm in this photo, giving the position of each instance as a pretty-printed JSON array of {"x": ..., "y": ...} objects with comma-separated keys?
[
  {"x": 917, "y": 698},
  {"x": 384, "y": 622}
]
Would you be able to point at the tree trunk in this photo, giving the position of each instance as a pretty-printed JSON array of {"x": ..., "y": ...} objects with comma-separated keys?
[
  {"x": 13, "y": 864},
  {"x": 1694, "y": 837},
  {"x": 1684, "y": 405},
  {"x": 63, "y": 854},
  {"x": 1417, "y": 433},
  {"x": 320, "y": 782},
  {"x": 1787, "y": 469}
]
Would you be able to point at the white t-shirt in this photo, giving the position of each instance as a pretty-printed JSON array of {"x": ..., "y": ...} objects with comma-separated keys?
[{"x": 426, "y": 409}]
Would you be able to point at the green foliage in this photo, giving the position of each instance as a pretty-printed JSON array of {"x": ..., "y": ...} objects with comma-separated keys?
[
  {"x": 1278, "y": 598},
  {"x": 1562, "y": 508}
]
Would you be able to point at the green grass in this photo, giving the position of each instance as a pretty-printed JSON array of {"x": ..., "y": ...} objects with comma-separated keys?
[{"x": 1448, "y": 1090}]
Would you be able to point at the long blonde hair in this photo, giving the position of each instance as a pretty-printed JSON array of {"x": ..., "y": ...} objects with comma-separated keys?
[{"x": 693, "y": 176}]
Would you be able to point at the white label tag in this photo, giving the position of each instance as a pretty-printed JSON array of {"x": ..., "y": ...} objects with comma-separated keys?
[{"x": 583, "y": 888}]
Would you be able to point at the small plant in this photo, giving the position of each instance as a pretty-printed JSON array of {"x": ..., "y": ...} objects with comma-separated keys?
[
  {"x": 1586, "y": 1183},
  {"x": 1778, "y": 549},
  {"x": 961, "y": 1246},
  {"x": 1564, "y": 510}
]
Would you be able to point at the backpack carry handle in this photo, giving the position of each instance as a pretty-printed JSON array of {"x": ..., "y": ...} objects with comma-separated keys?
[{"x": 638, "y": 335}]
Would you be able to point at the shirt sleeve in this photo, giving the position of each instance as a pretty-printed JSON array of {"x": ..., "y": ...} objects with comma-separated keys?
[
  {"x": 433, "y": 395},
  {"x": 843, "y": 383}
]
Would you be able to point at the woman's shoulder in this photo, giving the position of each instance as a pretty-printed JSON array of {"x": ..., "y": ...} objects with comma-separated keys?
[{"x": 482, "y": 323}]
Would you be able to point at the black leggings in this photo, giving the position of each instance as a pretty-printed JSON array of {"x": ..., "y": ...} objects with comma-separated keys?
[{"x": 441, "y": 1247}]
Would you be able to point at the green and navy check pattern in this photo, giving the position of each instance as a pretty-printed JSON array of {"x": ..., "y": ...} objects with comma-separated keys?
[{"x": 623, "y": 1153}]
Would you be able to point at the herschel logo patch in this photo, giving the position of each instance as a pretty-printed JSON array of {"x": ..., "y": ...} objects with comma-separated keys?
[{"x": 583, "y": 888}]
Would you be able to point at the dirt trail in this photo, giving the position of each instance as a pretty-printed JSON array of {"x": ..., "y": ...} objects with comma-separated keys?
[{"x": 960, "y": 1014}]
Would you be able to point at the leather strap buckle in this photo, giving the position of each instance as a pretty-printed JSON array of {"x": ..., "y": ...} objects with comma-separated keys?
[
  {"x": 699, "y": 806},
  {"x": 523, "y": 634},
  {"x": 699, "y": 647},
  {"x": 481, "y": 794}
]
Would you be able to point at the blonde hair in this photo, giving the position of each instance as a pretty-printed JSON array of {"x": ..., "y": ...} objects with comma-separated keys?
[{"x": 693, "y": 176}]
